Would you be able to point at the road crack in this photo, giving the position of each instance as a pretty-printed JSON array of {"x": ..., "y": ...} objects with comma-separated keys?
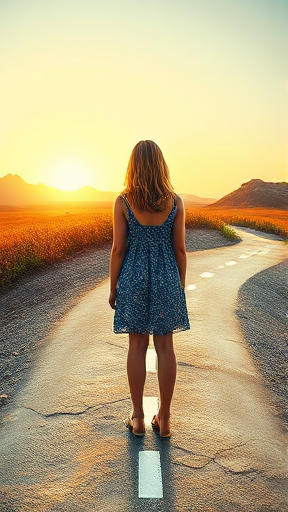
[
  {"x": 181, "y": 363},
  {"x": 211, "y": 459},
  {"x": 74, "y": 413}
]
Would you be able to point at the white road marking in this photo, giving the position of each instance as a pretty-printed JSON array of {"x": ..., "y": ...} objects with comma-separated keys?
[
  {"x": 244, "y": 256},
  {"x": 151, "y": 360},
  {"x": 150, "y": 476},
  {"x": 207, "y": 274},
  {"x": 263, "y": 251},
  {"x": 150, "y": 406},
  {"x": 191, "y": 287},
  {"x": 220, "y": 266},
  {"x": 229, "y": 263}
]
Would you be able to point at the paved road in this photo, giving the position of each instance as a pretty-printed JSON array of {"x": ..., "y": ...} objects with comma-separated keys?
[{"x": 63, "y": 444}]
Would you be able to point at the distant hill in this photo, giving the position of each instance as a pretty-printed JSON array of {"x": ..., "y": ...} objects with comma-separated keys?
[
  {"x": 14, "y": 191},
  {"x": 190, "y": 200},
  {"x": 256, "y": 193}
]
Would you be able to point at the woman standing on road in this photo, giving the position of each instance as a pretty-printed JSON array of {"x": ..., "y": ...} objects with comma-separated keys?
[{"x": 147, "y": 274}]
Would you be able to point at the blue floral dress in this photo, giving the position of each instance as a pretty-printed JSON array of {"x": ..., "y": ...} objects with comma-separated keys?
[{"x": 149, "y": 295}]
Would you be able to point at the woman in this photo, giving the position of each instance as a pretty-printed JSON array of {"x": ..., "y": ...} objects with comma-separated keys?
[{"x": 147, "y": 274}]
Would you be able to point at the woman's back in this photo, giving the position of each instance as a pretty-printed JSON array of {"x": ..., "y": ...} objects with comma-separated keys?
[{"x": 150, "y": 218}]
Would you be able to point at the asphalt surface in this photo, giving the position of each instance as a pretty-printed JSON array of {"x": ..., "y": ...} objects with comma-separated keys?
[
  {"x": 63, "y": 444},
  {"x": 35, "y": 303}
]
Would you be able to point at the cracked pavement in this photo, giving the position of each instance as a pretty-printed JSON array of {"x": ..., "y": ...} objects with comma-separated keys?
[{"x": 63, "y": 443}]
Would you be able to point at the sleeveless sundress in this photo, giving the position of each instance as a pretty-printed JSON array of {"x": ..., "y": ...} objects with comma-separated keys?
[{"x": 149, "y": 295}]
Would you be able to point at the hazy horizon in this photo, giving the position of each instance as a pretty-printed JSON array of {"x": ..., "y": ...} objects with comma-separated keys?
[
  {"x": 83, "y": 82},
  {"x": 89, "y": 186}
]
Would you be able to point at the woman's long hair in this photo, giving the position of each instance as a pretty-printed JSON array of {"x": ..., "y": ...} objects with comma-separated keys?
[{"x": 148, "y": 178}]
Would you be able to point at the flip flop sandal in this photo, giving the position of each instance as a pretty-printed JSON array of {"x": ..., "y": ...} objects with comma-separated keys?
[
  {"x": 129, "y": 424},
  {"x": 155, "y": 424},
  {"x": 156, "y": 427}
]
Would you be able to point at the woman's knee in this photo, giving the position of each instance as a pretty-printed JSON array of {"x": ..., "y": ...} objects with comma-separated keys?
[
  {"x": 163, "y": 343},
  {"x": 138, "y": 342}
]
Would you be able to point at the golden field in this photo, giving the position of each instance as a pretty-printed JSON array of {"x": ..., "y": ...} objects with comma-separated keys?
[
  {"x": 262, "y": 219},
  {"x": 33, "y": 238}
]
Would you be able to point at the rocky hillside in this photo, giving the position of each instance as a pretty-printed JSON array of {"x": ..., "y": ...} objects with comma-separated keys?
[{"x": 257, "y": 194}]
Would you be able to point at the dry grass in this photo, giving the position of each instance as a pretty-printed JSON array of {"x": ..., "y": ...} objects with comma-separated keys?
[
  {"x": 196, "y": 218},
  {"x": 267, "y": 220},
  {"x": 30, "y": 239}
]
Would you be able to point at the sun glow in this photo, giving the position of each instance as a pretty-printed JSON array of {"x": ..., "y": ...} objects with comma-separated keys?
[{"x": 69, "y": 175}]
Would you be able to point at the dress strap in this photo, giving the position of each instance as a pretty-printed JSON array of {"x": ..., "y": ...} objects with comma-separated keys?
[{"x": 125, "y": 200}]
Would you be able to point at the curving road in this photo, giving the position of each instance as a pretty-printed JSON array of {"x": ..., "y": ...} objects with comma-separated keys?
[{"x": 63, "y": 444}]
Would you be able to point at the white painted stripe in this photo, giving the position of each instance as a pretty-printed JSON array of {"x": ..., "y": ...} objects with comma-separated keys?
[
  {"x": 150, "y": 476},
  {"x": 220, "y": 266},
  {"x": 191, "y": 287},
  {"x": 263, "y": 251},
  {"x": 229, "y": 263},
  {"x": 150, "y": 406},
  {"x": 244, "y": 256},
  {"x": 151, "y": 360},
  {"x": 207, "y": 274}
]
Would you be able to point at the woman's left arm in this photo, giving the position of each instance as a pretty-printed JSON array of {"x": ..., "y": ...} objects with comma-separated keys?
[
  {"x": 179, "y": 240},
  {"x": 118, "y": 248}
]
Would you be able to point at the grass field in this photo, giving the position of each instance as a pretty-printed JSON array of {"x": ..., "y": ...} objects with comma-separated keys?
[
  {"x": 33, "y": 238},
  {"x": 267, "y": 220}
]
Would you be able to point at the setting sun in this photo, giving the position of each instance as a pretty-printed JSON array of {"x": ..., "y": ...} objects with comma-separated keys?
[
  {"x": 69, "y": 175},
  {"x": 82, "y": 82}
]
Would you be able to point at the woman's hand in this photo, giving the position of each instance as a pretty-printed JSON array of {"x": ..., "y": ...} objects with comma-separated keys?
[{"x": 112, "y": 299}]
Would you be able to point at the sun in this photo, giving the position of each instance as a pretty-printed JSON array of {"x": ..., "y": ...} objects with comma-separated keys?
[{"x": 69, "y": 175}]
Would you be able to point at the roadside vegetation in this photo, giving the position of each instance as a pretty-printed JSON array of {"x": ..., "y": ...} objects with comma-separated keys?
[
  {"x": 30, "y": 239},
  {"x": 261, "y": 219},
  {"x": 196, "y": 218}
]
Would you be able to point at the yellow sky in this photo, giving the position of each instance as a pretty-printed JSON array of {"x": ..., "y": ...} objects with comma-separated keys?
[{"x": 82, "y": 81}]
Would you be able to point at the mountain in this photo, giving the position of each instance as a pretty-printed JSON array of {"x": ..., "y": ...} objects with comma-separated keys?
[
  {"x": 14, "y": 191},
  {"x": 190, "y": 200},
  {"x": 256, "y": 193}
]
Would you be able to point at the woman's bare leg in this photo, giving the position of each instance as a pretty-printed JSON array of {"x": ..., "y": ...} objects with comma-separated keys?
[
  {"x": 166, "y": 377},
  {"x": 136, "y": 372}
]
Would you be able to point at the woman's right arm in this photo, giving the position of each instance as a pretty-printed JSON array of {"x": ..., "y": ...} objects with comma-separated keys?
[
  {"x": 179, "y": 245},
  {"x": 118, "y": 248}
]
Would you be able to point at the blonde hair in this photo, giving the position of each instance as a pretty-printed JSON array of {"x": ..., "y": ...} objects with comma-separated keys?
[{"x": 148, "y": 178}]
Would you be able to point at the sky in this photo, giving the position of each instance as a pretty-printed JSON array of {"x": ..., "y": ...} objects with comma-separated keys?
[{"x": 82, "y": 81}]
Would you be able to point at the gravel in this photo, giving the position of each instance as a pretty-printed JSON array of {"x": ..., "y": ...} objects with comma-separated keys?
[
  {"x": 32, "y": 307},
  {"x": 263, "y": 315}
]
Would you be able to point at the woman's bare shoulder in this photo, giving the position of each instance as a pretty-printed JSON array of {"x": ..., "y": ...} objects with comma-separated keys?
[
  {"x": 179, "y": 202},
  {"x": 119, "y": 206},
  {"x": 119, "y": 200}
]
